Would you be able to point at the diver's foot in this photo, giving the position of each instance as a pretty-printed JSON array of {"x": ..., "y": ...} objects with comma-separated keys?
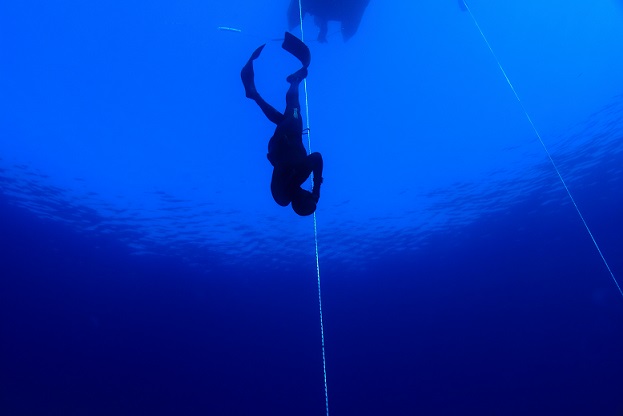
[
  {"x": 298, "y": 76},
  {"x": 316, "y": 189}
]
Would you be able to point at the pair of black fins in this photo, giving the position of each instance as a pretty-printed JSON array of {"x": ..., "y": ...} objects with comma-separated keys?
[{"x": 291, "y": 44}]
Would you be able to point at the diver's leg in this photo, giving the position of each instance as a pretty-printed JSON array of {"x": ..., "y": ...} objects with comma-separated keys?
[
  {"x": 269, "y": 111},
  {"x": 312, "y": 164},
  {"x": 293, "y": 105}
]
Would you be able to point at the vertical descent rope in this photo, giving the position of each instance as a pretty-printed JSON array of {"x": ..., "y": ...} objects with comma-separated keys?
[
  {"x": 564, "y": 184},
  {"x": 324, "y": 361}
]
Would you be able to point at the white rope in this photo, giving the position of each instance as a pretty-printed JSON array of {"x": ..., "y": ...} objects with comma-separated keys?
[
  {"x": 564, "y": 184},
  {"x": 324, "y": 360}
]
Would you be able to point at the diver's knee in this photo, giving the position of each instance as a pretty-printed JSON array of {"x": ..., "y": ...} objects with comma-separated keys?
[
  {"x": 281, "y": 201},
  {"x": 315, "y": 158},
  {"x": 280, "y": 197}
]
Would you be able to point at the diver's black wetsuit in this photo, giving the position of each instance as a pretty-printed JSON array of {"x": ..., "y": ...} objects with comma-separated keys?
[{"x": 292, "y": 165}]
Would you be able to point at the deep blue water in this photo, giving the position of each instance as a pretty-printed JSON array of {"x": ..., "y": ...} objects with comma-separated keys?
[{"x": 145, "y": 270}]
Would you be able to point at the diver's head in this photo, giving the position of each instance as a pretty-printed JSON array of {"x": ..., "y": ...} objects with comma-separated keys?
[{"x": 303, "y": 202}]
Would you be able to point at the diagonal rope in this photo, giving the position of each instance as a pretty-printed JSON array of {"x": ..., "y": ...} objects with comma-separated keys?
[
  {"x": 564, "y": 184},
  {"x": 324, "y": 360}
]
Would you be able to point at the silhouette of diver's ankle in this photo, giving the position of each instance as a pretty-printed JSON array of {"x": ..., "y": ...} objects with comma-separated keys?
[
  {"x": 298, "y": 76},
  {"x": 252, "y": 94}
]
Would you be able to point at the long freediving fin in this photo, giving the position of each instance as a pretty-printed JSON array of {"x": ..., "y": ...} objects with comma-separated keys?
[
  {"x": 297, "y": 48},
  {"x": 248, "y": 75}
]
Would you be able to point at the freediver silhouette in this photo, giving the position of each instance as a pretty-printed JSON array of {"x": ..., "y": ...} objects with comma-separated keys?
[{"x": 291, "y": 163}]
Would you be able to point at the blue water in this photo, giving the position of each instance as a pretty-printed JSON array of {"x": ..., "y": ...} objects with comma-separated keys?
[{"x": 146, "y": 270}]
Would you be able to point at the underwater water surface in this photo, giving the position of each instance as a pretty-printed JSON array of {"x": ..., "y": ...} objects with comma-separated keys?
[{"x": 145, "y": 268}]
